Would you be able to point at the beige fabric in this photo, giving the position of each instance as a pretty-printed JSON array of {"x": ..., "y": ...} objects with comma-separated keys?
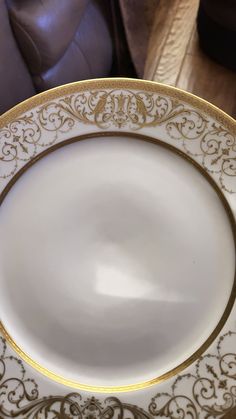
[{"x": 138, "y": 16}]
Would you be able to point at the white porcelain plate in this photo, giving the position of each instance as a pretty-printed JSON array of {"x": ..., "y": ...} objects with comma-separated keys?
[{"x": 117, "y": 254}]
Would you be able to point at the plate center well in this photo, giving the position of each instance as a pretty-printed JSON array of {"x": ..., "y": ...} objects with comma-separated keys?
[{"x": 117, "y": 261}]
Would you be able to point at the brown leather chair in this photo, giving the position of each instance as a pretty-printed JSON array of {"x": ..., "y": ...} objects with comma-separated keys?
[{"x": 45, "y": 43}]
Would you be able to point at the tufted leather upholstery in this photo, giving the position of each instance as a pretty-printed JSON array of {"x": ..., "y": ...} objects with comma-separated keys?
[
  {"x": 52, "y": 42},
  {"x": 15, "y": 80},
  {"x": 62, "y": 40}
]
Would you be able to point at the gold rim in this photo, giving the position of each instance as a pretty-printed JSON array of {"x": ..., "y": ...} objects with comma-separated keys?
[
  {"x": 116, "y": 83},
  {"x": 203, "y": 347}
]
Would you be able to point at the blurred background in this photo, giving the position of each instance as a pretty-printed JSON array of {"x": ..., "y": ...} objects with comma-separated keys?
[{"x": 189, "y": 44}]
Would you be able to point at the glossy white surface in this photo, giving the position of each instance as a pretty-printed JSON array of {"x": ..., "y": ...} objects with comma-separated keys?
[{"x": 117, "y": 261}]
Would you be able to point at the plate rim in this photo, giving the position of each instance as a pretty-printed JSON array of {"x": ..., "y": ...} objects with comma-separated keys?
[{"x": 116, "y": 83}]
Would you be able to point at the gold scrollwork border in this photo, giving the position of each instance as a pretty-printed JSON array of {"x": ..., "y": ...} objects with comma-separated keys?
[
  {"x": 39, "y": 122},
  {"x": 119, "y": 83}
]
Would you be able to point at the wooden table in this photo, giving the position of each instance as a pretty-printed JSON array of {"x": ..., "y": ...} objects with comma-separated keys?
[{"x": 174, "y": 56}]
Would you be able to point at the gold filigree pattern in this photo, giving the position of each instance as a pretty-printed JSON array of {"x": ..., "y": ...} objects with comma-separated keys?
[
  {"x": 18, "y": 142},
  {"x": 108, "y": 109},
  {"x": 19, "y": 398},
  {"x": 204, "y": 139},
  {"x": 217, "y": 153},
  {"x": 210, "y": 393}
]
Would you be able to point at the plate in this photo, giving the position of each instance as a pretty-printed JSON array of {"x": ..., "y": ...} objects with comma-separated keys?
[{"x": 117, "y": 253}]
